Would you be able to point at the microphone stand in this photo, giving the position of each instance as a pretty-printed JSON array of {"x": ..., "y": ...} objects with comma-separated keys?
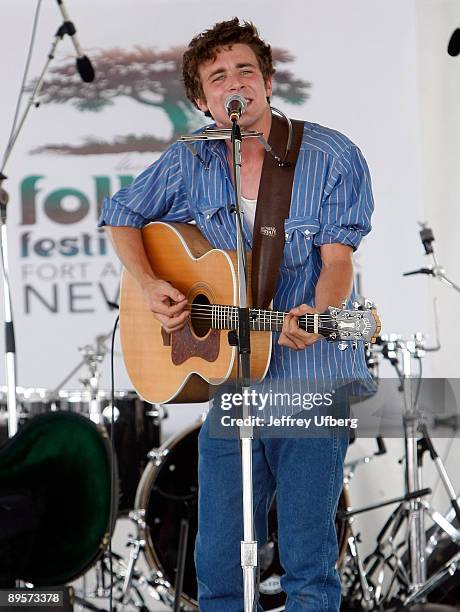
[
  {"x": 427, "y": 238},
  {"x": 248, "y": 544},
  {"x": 10, "y": 347}
]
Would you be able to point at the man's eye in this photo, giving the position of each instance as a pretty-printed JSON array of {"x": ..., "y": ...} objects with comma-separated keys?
[{"x": 218, "y": 78}]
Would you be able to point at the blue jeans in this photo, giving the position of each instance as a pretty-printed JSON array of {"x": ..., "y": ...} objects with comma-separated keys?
[{"x": 307, "y": 475}]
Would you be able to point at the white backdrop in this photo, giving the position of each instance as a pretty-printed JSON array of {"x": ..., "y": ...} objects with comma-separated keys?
[
  {"x": 361, "y": 63},
  {"x": 378, "y": 72}
]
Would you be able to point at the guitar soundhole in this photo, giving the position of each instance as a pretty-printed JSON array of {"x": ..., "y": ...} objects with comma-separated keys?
[{"x": 201, "y": 315}]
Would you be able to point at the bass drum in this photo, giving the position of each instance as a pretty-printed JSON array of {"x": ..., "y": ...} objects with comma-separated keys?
[
  {"x": 57, "y": 506},
  {"x": 168, "y": 493}
]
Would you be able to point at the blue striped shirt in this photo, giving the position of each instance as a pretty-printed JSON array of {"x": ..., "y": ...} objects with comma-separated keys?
[{"x": 331, "y": 203}]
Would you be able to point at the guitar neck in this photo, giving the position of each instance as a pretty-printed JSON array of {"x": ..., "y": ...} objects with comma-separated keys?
[
  {"x": 226, "y": 317},
  {"x": 334, "y": 324}
]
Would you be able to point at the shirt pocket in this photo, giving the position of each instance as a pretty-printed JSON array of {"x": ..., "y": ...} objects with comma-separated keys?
[
  {"x": 209, "y": 217},
  {"x": 298, "y": 237}
]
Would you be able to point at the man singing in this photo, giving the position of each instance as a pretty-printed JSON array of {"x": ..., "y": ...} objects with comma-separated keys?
[{"x": 330, "y": 210}]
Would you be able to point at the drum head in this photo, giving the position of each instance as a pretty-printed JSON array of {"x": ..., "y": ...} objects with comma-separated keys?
[
  {"x": 60, "y": 465},
  {"x": 168, "y": 492}
]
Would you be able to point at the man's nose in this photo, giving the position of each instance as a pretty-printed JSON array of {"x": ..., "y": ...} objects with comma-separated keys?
[{"x": 234, "y": 83}]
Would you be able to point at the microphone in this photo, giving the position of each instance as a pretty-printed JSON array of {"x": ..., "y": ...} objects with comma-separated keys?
[
  {"x": 235, "y": 105},
  {"x": 84, "y": 65},
  {"x": 454, "y": 43},
  {"x": 427, "y": 237}
]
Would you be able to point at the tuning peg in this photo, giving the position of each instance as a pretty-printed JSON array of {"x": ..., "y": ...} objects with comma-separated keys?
[
  {"x": 344, "y": 304},
  {"x": 356, "y": 305},
  {"x": 342, "y": 346},
  {"x": 369, "y": 304}
]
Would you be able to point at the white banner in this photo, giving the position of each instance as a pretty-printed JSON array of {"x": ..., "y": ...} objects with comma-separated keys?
[{"x": 350, "y": 66}]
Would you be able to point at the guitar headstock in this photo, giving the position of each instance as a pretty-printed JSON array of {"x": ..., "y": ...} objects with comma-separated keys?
[{"x": 360, "y": 324}]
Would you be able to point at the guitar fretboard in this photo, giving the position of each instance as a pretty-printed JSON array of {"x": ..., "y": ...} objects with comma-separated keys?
[{"x": 226, "y": 317}]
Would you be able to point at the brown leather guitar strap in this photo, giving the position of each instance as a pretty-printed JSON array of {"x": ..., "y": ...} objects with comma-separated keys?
[{"x": 273, "y": 204}]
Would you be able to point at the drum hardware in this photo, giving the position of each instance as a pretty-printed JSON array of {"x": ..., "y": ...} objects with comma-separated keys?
[
  {"x": 415, "y": 448},
  {"x": 93, "y": 356},
  {"x": 128, "y": 579},
  {"x": 157, "y": 455},
  {"x": 113, "y": 569},
  {"x": 395, "y": 572},
  {"x": 181, "y": 555},
  {"x": 357, "y": 589}
]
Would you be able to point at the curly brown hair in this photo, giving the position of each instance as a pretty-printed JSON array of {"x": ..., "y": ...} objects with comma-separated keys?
[{"x": 205, "y": 46}]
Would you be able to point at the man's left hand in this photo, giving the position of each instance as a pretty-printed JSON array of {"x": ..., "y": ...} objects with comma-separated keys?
[{"x": 291, "y": 334}]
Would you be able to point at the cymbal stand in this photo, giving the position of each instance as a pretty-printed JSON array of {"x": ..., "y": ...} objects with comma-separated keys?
[
  {"x": 401, "y": 354},
  {"x": 93, "y": 356},
  {"x": 417, "y": 543}
]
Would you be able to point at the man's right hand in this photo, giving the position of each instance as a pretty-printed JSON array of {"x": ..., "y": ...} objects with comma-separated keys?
[{"x": 167, "y": 304}]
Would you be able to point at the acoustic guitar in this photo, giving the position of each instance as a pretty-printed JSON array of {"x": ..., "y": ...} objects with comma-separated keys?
[{"x": 182, "y": 365}]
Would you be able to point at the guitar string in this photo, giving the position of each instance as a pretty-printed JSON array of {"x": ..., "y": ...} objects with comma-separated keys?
[
  {"x": 206, "y": 307},
  {"x": 223, "y": 313},
  {"x": 281, "y": 316},
  {"x": 270, "y": 314},
  {"x": 201, "y": 312},
  {"x": 225, "y": 320},
  {"x": 204, "y": 310},
  {"x": 280, "y": 320}
]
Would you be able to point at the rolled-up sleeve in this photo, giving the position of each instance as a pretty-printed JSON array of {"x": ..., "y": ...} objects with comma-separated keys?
[
  {"x": 157, "y": 193},
  {"x": 348, "y": 204}
]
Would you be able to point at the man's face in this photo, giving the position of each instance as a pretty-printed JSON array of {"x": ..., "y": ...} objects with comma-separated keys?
[{"x": 234, "y": 70}]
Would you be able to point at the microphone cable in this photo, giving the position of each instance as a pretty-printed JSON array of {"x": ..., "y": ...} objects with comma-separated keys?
[{"x": 114, "y": 471}]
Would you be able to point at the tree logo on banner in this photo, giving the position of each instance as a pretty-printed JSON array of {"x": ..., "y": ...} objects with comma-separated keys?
[{"x": 151, "y": 78}]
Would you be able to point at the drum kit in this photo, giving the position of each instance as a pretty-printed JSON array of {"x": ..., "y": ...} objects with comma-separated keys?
[
  {"x": 163, "y": 512},
  {"x": 157, "y": 490}
]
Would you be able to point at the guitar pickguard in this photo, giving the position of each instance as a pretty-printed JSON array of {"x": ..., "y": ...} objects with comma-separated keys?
[{"x": 185, "y": 345}]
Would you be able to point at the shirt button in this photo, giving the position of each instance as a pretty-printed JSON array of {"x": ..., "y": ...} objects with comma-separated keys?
[
  {"x": 286, "y": 236},
  {"x": 307, "y": 232}
]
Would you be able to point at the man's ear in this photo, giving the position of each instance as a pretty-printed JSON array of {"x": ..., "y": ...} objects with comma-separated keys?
[
  {"x": 269, "y": 87},
  {"x": 201, "y": 105}
]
